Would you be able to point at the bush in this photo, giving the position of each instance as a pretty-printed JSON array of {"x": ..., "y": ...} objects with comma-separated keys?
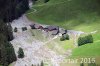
[
  {"x": 15, "y": 29},
  {"x": 24, "y": 28},
  {"x": 85, "y": 40},
  {"x": 42, "y": 64},
  {"x": 64, "y": 37},
  {"x": 82, "y": 64},
  {"x": 89, "y": 39},
  {"x": 32, "y": 65},
  {"x": 45, "y": 1},
  {"x": 20, "y": 53},
  {"x": 92, "y": 64}
]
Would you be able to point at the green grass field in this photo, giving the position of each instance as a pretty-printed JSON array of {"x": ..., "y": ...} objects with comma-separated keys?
[
  {"x": 82, "y": 15},
  {"x": 70, "y": 14}
]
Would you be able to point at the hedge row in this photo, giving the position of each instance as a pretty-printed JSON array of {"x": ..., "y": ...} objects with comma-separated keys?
[{"x": 85, "y": 40}]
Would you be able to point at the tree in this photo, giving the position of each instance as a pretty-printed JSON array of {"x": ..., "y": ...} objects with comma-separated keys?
[
  {"x": 15, "y": 29},
  {"x": 64, "y": 37},
  {"x": 9, "y": 10},
  {"x": 92, "y": 64},
  {"x": 42, "y": 64},
  {"x": 34, "y": 1},
  {"x": 45, "y": 1},
  {"x": 85, "y": 40},
  {"x": 7, "y": 54},
  {"x": 3, "y": 56},
  {"x": 9, "y": 32},
  {"x": 32, "y": 65},
  {"x": 14, "y": 9},
  {"x": 5, "y": 45},
  {"x": 24, "y": 28},
  {"x": 20, "y": 53},
  {"x": 11, "y": 56},
  {"x": 89, "y": 39},
  {"x": 80, "y": 41},
  {"x": 82, "y": 64}
]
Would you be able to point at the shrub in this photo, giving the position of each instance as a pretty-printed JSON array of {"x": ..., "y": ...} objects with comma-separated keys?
[
  {"x": 92, "y": 64},
  {"x": 32, "y": 65},
  {"x": 24, "y": 28},
  {"x": 42, "y": 64},
  {"x": 82, "y": 64},
  {"x": 45, "y": 1},
  {"x": 20, "y": 53},
  {"x": 64, "y": 37},
  {"x": 15, "y": 29},
  {"x": 85, "y": 40},
  {"x": 89, "y": 39}
]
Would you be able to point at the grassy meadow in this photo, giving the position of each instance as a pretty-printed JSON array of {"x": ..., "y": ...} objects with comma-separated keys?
[{"x": 81, "y": 15}]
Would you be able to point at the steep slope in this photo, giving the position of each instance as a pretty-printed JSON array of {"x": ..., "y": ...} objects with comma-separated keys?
[
  {"x": 81, "y": 15},
  {"x": 66, "y": 13}
]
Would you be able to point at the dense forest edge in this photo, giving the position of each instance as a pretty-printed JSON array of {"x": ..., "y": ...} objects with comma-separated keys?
[{"x": 9, "y": 10}]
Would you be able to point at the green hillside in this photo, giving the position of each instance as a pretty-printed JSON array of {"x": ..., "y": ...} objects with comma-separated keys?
[
  {"x": 83, "y": 15},
  {"x": 67, "y": 13}
]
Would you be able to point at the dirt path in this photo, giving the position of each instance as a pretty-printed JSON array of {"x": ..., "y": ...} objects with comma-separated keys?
[
  {"x": 35, "y": 10},
  {"x": 74, "y": 35}
]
